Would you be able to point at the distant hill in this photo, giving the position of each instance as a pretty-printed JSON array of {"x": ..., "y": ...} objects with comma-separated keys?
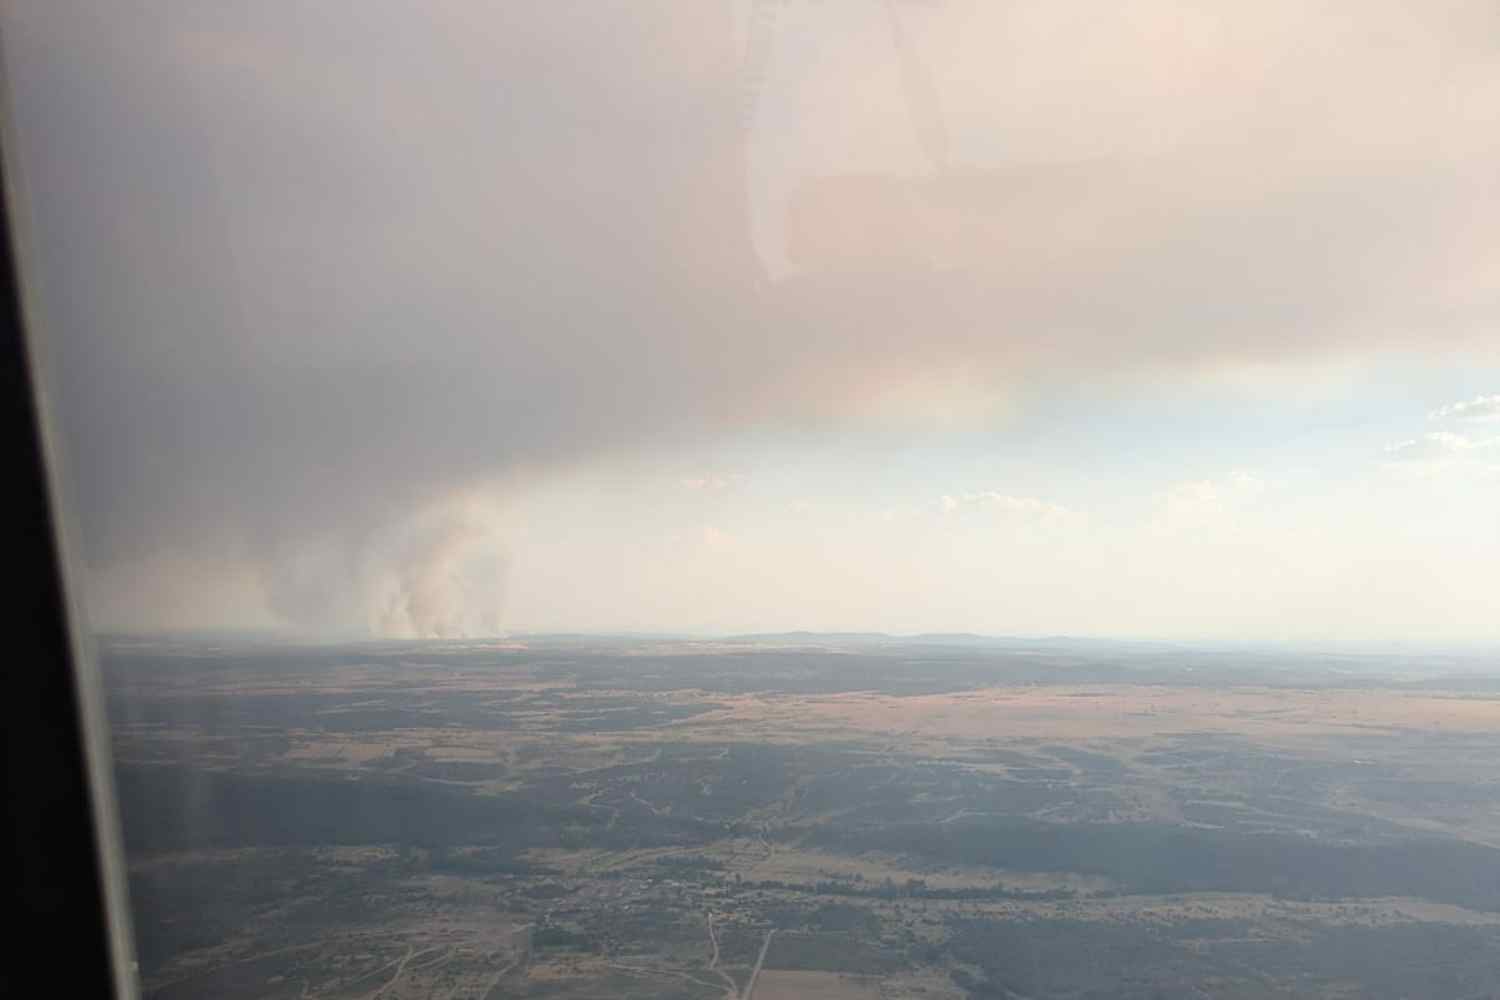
[{"x": 811, "y": 637}]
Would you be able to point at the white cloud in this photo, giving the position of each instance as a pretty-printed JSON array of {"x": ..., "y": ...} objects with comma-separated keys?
[
  {"x": 1196, "y": 506},
  {"x": 712, "y": 482},
  {"x": 1434, "y": 446},
  {"x": 1443, "y": 453},
  {"x": 1480, "y": 409},
  {"x": 1200, "y": 494},
  {"x": 991, "y": 500}
]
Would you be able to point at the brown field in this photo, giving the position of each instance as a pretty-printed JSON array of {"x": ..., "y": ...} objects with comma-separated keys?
[
  {"x": 921, "y": 984},
  {"x": 1266, "y": 909},
  {"x": 1108, "y": 711},
  {"x": 814, "y": 986}
]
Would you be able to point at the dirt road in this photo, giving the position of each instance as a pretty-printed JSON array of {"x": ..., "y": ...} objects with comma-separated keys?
[{"x": 755, "y": 973}]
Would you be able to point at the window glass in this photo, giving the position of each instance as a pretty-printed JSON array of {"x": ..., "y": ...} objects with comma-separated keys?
[{"x": 782, "y": 498}]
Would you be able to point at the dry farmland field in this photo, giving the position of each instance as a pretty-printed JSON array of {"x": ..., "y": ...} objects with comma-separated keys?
[{"x": 807, "y": 816}]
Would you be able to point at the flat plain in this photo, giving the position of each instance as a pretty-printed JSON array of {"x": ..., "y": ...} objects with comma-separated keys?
[{"x": 810, "y": 816}]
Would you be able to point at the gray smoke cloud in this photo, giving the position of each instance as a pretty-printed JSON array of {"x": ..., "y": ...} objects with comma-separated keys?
[{"x": 308, "y": 276}]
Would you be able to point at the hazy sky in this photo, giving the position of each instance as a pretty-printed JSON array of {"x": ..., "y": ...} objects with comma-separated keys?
[{"x": 1160, "y": 318}]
